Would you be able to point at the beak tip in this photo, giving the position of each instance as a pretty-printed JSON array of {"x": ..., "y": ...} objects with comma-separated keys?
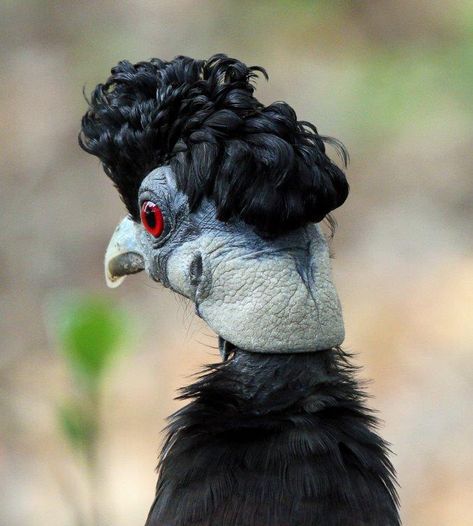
[{"x": 113, "y": 282}]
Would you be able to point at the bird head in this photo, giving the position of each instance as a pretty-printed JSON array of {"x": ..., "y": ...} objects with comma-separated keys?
[{"x": 224, "y": 196}]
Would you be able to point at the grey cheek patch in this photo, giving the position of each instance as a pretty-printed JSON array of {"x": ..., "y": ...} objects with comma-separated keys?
[
  {"x": 262, "y": 296},
  {"x": 257, "y": 294}
]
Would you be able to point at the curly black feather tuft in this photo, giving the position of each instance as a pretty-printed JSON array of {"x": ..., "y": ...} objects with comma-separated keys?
[{"x": 258, "y": 163}]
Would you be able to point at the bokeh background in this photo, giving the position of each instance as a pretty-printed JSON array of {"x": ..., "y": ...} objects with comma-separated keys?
[{"x": 393, "y": 80}]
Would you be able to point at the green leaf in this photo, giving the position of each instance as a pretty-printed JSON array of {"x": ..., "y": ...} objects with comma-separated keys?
[
  {"x": 90, "y": 331},
  {"x": 77, "y": 426}
]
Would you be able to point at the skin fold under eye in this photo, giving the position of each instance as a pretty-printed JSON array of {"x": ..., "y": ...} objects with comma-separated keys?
[{"x": 152, "y": 218}]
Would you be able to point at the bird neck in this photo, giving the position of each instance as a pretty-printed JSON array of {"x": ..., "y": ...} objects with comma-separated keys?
[{"x": 273, "y": 439}]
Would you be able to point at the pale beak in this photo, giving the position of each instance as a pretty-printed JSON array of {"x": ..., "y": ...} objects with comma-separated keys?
[{"x": 123, "y": 255}]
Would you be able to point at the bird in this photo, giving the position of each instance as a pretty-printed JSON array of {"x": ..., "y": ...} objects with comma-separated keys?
[{"x": 225, "y": 199}]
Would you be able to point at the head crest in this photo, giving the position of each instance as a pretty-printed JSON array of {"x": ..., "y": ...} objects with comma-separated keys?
[{"x": 256, "y": 162}]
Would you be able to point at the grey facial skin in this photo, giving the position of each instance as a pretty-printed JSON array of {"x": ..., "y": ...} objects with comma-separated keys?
[{"x": 261, "y": 295}]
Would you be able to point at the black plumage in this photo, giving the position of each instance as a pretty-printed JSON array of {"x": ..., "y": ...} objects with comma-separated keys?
[
  {"x": 275, "y": 440},
  {"x": 258, "y": 163}
]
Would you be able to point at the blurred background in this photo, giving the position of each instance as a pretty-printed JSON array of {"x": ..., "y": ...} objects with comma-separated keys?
[{"x": 393, "y": 80}]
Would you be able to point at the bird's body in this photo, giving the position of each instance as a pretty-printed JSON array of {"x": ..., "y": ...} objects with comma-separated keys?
[
  {"x": 275, "y": 440},
  {"x": 223, "y": 195}
]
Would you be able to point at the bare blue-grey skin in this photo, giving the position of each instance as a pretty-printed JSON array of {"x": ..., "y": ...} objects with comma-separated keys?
[{"x": 261, "y": 295}]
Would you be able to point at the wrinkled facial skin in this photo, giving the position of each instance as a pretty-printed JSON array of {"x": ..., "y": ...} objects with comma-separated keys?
[{"x": 261, "y": 295}]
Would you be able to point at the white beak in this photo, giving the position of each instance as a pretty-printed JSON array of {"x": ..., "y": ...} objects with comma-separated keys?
[{"x": 123, "y": 255}]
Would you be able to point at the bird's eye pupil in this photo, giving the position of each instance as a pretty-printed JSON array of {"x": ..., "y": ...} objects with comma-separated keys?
[{"x": 152, "y": 218}]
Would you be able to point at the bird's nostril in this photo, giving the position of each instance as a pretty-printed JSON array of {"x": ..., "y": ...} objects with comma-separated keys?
[{"x": 195, "y": 269}]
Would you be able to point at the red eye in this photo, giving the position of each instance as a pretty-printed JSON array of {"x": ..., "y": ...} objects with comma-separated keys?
[{"x": 152, "y": 218}]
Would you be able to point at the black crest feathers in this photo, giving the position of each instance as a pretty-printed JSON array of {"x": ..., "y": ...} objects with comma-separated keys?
[{"x": 256, "y": 162}]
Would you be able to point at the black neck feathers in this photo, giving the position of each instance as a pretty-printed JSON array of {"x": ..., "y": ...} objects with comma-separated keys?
[{"x": 275, "y": 440}]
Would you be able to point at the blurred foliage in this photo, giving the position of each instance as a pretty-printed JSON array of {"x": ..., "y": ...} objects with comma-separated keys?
[
  {"x": 78, "y": 425},
  {"x": 90, "y": 332},
  {"x": 395, "y": 81}
]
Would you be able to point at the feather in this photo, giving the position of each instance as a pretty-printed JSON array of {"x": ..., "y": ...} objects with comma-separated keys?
[
  {"x": 258, "y": 163},
  {"x": 275, "y": 440}
]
